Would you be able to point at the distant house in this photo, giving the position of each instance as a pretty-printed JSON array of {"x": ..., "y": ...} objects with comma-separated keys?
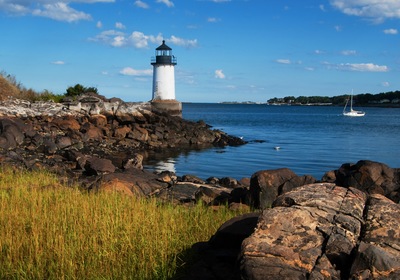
[
  {"x": 384, "y": 101},
  {"x": 396, "y": 100}
]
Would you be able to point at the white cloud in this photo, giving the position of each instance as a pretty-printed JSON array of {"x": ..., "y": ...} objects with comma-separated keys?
[
  {"x": 283, "y": 61},
  {"x": 213, "y": 19},
  {"x": 220, "y": 1},
  {"x": 141, "y": 4},
  {"x": 219, "y": 74},
  {"x": 363, "y": 67},
  {"x": 378, "y": 10},
  {"x": 128, "y": 71},
  {"x": 182, "y": 42},
  {"x": 168, "y": 3},
  {"x": 58, "y": 62},
  {"x": 322, "y": 8},
  {"x": 319, "y": 52},
  {"x": 56, "y": 10},
  {"x": 119, "y": 25},
  {"x": 61, "y": 12},
  {"x": 385, "y": 84},
  {"x": 118, "y": 41},
  {"x": 390, "y": 31},
  {"x": 348, "y": 52},
  {"x": 99, "y": 24},
  {"x": 138, "y": 39}
]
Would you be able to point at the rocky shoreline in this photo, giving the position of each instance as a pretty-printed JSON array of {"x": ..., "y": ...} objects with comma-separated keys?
[{"x": 344, "y": 226}]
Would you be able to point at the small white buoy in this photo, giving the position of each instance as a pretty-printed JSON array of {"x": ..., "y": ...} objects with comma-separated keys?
[{"x": 277, "y": 148}]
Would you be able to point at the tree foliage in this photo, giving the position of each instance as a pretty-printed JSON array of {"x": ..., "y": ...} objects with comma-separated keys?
[
  {"x": 79, "y": 89},
  {"x": 360, "y": 99}
]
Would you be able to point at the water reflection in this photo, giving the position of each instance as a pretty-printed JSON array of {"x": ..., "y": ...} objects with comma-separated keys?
[{"x": 164, "y": 165}]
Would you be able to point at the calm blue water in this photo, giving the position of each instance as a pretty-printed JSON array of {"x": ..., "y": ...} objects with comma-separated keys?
[{"x": 312, "y": 139}]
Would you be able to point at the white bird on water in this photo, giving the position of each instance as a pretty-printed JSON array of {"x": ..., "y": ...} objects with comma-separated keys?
[{"x": 277, "y": 148}]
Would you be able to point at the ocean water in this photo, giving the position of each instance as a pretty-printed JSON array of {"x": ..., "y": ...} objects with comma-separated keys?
[{"x": 311, "y": 139}]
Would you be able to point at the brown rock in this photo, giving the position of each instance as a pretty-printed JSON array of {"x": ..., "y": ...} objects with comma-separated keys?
[
  {"x": 212, "y": 195},
  {"x": 311, "y": 230},
  {"x": 138, "y": 182},
  {"x": 378, "y": 256},
  {"x": 91, "y": 132},
  {"x": 267, "y": 185},
  {"x": 121, "y": 132},
  {"x": 371, "y": 177},
  {"x": 66, "y": 123},
  {"x": 98, "y": 120},
  {"x": 136, "y": 161},
  {"x": 138, "y": 133},
  {"x": 96, "y": 166}
]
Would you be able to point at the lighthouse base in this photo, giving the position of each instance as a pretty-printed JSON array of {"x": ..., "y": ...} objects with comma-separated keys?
[{"x": 171, "y": 107}]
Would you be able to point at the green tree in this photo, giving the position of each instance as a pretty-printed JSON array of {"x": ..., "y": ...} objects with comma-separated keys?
[{"x": 79, "y": 89}]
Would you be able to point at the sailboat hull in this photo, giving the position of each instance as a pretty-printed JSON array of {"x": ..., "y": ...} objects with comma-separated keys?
[{"x": 354, "y": 114}]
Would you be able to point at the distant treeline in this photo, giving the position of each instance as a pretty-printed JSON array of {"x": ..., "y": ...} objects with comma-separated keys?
[{"x": 385, "y": 98}]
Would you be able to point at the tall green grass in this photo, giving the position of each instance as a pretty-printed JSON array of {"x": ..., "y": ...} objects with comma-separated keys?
[{"x": 49, "y": 231}]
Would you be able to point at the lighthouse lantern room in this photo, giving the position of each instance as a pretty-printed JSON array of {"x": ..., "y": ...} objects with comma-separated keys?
[{"x": 163, "y": 73}]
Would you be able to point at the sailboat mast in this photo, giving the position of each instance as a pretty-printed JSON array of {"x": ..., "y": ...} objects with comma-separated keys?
[{"x": 351, "y": 101}]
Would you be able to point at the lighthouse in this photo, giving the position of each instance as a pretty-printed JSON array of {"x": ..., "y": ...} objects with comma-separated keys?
[{"x": 163, "y": 98}]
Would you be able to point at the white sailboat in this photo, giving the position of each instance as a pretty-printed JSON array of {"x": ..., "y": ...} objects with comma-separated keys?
[{"x": 352, "y": 113}]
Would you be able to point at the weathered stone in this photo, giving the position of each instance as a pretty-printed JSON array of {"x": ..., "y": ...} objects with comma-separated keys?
[
  {"x": 212, "y": 195},
  {"x": 192, "y": 179},
  {"x": 265, "y": 185},
  {"x": 378, "y": 256},
  {"x": 136, "y": 161},
  {"x": 91, "y": 132},
  {"x": 310, "y": 228},
  {"x": 138, "y": 133},
  {"x": 371, "y": 177},
  {"x": 329, "y": 177},
  {"x": 139, "y": 182},
  {"x": 98, "y": 120},
  {"x": 228, "y": 182},
  {"x": 96, "y": 166},
  {"x": 11, "y": 132},
  {"x": 121, "y": 132},
  {"x": 219, "y": 255},
  {"x": 67, "y": 123},
  {"x": 50, "y": 146},
  {"x": 63, "y": 142}
]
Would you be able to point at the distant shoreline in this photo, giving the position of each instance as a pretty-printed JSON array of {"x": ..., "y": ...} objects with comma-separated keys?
[{"x": 384, "y": 105}]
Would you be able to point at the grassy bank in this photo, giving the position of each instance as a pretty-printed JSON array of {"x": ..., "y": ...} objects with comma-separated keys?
[{"x": 48, "y": 231}]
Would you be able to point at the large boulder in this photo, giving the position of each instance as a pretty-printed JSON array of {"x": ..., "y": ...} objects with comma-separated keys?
[
  {"x": 97, "y": 166},
  {"x": 378, "y": 256},
  {"x": 267, "y": 185},
  {"x": 324, "y": 231},
  {"x": 310, "y": 233},
  {"x": 217, "y": 259},
  {"x": 371, "y": 177},
  {"x": 135, "y": 182},
  {"x": 11, "y": 132}
]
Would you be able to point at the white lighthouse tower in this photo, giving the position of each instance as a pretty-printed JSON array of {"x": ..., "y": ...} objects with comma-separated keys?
[{"x": 164, "y": 81}]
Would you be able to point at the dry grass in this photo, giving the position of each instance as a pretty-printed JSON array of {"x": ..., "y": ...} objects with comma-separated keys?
[
  {"x": 7, "y": 88},
  {"x": 52, "y": 232}
]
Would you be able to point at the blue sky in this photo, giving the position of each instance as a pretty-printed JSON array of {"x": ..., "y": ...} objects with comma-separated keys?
[{"x": 227, "y": 50}]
